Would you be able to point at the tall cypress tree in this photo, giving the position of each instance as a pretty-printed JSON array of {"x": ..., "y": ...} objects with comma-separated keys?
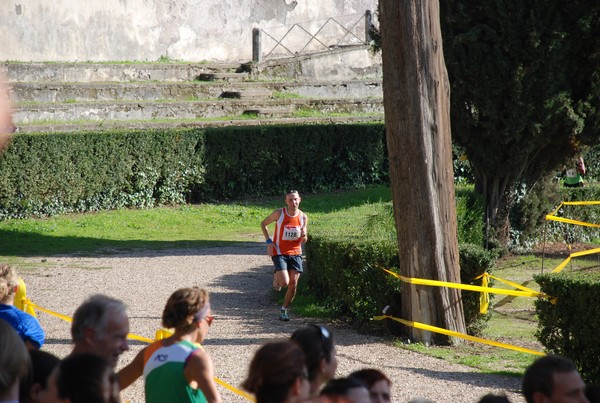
[{"x": 525, "y": 90}]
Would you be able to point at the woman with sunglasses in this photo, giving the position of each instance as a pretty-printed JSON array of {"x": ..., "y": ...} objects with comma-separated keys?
[
  {"x": 316, "y": 341},
  {"x": 165, "y": 361}
]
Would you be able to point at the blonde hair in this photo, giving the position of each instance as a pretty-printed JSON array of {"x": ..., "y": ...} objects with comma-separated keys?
[
  {"x": 185, "y": 307},
  {"x": 8, "y": 281}
]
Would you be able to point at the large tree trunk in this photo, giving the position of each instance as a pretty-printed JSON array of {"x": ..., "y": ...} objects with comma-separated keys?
[
  {"x": 416, "y": 96},
  {"x": 498, "y": 194}
]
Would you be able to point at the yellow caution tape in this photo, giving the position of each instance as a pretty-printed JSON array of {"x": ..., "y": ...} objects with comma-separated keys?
[
  {"x": 468, "y": 287},
  {"x": 27, "y": 303},
  {"x": 452, "y": 333},
  {"x": 20, "y": 298},
  {"x": 552, "y": 216},
  {"x": 484, "y": 298},
  {"x": 572, "y": 255}
]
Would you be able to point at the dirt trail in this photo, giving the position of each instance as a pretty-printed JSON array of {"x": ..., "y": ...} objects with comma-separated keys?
[{"x": 238, "y": 278}]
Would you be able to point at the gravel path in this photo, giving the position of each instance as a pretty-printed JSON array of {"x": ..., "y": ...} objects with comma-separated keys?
[{"x": 238, "y": 278}]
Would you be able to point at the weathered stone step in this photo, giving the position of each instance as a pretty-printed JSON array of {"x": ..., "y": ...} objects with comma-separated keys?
[
  {"x": 223, "y": 76},
  {"x": 144, "y": 125},
  {"x": 107, "y": 91},
  {"x": 89, "y": 72},
  {"x": 82, "y": 111},
  {"x": 270, "y": 112},
  {"x": 248, "y": 94}
]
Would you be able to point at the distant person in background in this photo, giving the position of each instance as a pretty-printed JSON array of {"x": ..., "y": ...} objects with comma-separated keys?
[
  {"x": 553, "y": 379},
  {"x": 14, "y": 363},
  {"x": 574, "y": 174},
  {"x": 378, "y": 384},
  {"x": 100, "y": 326},
  {"x": 285, "y": 248},
  {"x": 350, "y": 388},
  {"x": 177, "y": 369},
  {"x": 42, "y": 363},
  {"x": 6, "y": 123},
  {"x": 82, "y": 378},
  {"x": 316, "y": 341},
  {"x": 277, "y": 374},
  {"x": 26, "y": 326}
]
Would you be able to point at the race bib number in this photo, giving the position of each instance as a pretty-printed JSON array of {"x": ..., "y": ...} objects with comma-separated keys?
[
  {"x": 290, "y": 233},
  {"x": 571, "y": 173}
]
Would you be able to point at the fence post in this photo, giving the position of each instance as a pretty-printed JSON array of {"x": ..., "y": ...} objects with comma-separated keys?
[
  {"x": 256, "y": 45},
  {"x": 368, "y": 26}
]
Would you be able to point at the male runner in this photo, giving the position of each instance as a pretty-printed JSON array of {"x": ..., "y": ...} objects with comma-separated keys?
[{"x": 285, "y": 248}]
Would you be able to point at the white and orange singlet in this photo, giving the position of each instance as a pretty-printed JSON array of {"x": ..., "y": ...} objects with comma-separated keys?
[{"x": 288, "y": 229}]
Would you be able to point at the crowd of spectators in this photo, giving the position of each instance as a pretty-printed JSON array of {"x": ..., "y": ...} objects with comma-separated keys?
[{"x": 299, "y": 369}]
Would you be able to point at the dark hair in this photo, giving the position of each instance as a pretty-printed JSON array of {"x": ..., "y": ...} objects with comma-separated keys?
[
  {"x": 492, "y": 398},
  {"x": 42, "y": 364},
  {"x": 317, "y": 343},
  {"x": 539, "y": 376},
  {"x": 370, "y": 377},
  {"x": 341, "y": 386},
  {"x": 80, "y": 379},
  {"x": 15, "y": 363},
  {"x": 185, "y": 307},
  {"x": 273, "y": 370},
  {"x": 94, "y": 313}
]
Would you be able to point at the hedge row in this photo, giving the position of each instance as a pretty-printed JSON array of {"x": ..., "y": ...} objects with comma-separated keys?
[
  {"x": 346, "y": 275},
  {"x": 570, "y": 325},
  {"x": 80, "y": 172}
]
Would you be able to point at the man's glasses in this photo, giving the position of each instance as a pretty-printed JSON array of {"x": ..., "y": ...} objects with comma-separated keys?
[
  {"x": 209, "y": 319},
  {"x": 325, "y": 335}
]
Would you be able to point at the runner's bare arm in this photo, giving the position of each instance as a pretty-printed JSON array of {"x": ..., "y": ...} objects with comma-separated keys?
[
  {"x": 274, "y": 216},
  {"x": 130, "y": 373},
  {"x": 304, "y": 230},
  {"x": 199, "y": 370}
]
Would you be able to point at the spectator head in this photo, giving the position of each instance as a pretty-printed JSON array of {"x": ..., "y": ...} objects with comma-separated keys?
[
  {"x": 188, "y": 309},
  {"x": 15, "y": 364},
  {"x": 376, "y": 382},
  {"x": 317, "y": 343},
  {"x": 278, "y": 373},
  {"x": 8, "y": 284},
  {"x": 492, "y": 398},
  {"x": 82, "y": 378},
  {"x": 553, "y": 379},
  {"x": 100, "y": 326},
  {"x": 351, "y": 388},
  {"x": 42, "y": 363}
]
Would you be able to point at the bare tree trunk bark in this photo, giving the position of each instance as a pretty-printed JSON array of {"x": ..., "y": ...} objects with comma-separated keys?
[{"x": 417, "y": 120}]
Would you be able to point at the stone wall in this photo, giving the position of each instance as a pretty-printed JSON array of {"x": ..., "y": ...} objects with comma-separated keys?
[{"x": 148, "y": 30}]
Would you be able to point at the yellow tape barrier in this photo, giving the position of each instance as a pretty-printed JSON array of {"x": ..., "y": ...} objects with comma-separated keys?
[
  {"x": 452, "y": 333},
  {"x": 30, "y": 305},
  {"x": 552, "y": 216},
  {"x": 468, "y": 287}
]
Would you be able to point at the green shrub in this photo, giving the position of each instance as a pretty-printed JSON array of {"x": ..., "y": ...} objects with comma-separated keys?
[
  {"x": 260, "y": 160},
  {"x": 345, "y": 273},
  {"x": 570, "y": 325},
  {"x": 78, "y": 172},
  {"x": 474, "y": 261},
  {"x": 470, "y": 210}
]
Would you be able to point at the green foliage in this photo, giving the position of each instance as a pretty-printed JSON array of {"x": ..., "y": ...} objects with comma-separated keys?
[
  {"x": 78, "y": 172},
  {"x": 259, "y": 160},
  {"x": 571, "y": 325},
  {"x": 470, "y": 211},
  {"x": 59, "y": 173},
  {"x": 592, "y": 164},
  {"x": 524, "y": 81},
  {"x": 474, "y": 261},
  {"x": 347, "y": 275}
]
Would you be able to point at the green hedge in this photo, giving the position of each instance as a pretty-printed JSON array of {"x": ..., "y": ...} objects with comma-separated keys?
[
  {"x": 346, "y": 275},
  {"x": 259, "y": 160},
  {"x": 79, "y": 172},
  {"x": 571, "y": 325}
]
